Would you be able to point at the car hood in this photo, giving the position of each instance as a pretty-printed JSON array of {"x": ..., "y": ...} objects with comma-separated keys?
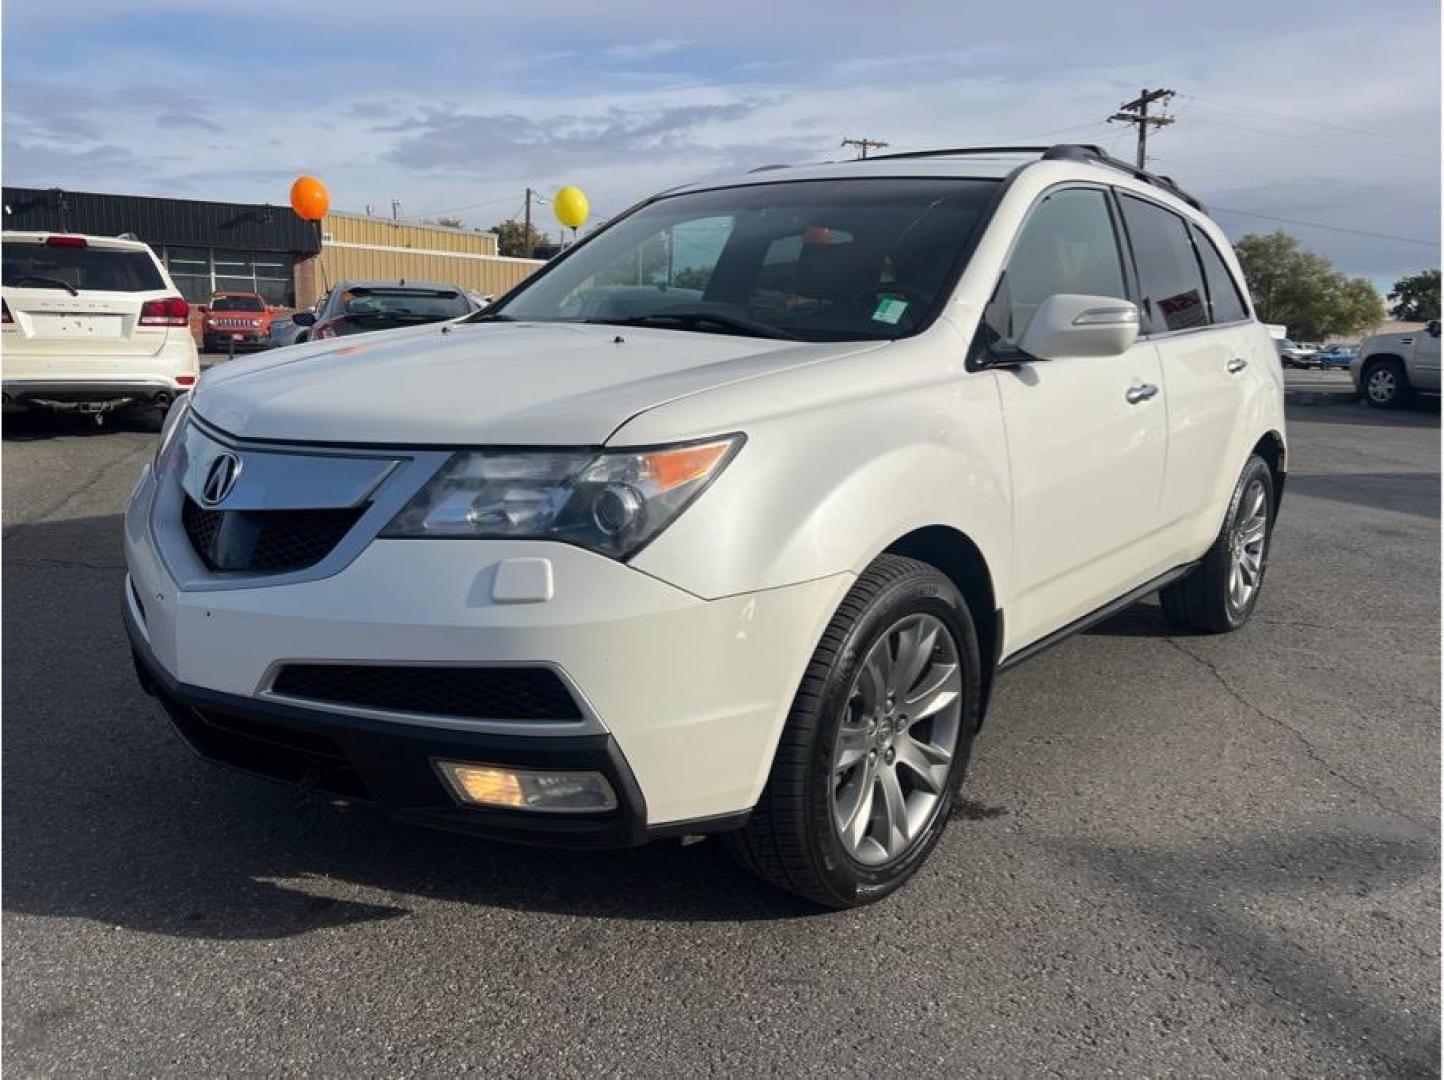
[{"x": 484, "y": 383}]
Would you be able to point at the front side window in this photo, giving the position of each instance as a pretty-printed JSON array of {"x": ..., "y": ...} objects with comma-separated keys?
[
  {"x": 43, "y": 266},
  {"x": 1168, "y": 271},
  {"x": 1067, "y": 245},
  {"x": 1224, "y": 299},
  {"x": 815, "y": 260}
]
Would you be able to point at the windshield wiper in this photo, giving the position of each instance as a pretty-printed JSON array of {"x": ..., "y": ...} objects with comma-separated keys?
[
  {"x": 48, "y": 282},
  {"x": 699, "y": 319}
]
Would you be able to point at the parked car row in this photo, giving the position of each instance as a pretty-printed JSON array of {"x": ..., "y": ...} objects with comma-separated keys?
[{"x": 1306, "y": 355}]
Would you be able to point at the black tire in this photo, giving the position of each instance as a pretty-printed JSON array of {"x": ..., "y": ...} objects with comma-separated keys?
[
  {"x": 1203, "y": 600},
  {"x": 790, "y": 839},
  {"x": 1384, "y": 384}
]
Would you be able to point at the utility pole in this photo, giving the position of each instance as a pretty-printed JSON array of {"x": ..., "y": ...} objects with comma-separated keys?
[
  {"x": 526, "y": 228},
  {"x": 863, "y": 145},
  {"x": 395, "y": 209},
  {"x": 1136, "y": 112}
]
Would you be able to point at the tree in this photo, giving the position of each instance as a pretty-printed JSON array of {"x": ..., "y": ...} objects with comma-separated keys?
[
  {"x": 1416, "y": 298},
  {"x": 449, "y": 222},
  {"x": 1303, "y": 291},
  {"x": 511, "y": 238}
]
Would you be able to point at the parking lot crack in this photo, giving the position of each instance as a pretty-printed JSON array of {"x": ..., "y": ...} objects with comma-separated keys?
[{"x": 1310, "y": 750}]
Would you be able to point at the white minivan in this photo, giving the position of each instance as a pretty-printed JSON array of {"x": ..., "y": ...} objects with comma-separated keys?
[
  {"x": 91, "y": 324},
  {"x": 726, "y": 519}
]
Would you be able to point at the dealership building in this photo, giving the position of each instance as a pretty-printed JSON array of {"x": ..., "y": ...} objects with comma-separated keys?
[{"x": 213, "y": 246}]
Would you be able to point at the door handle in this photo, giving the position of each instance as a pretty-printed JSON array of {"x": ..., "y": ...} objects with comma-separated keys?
[
  {"x": 1237, "y": 364},
  {"x": 1136, "y": 394}
]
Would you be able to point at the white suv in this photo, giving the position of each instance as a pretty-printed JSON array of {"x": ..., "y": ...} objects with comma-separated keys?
[
  {"x": 726, "y": 519},
  {"x": 1389, "y": 369},
  {"x": 92, "y": 324}
]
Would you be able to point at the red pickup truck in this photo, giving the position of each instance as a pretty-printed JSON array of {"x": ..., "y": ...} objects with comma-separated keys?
[{"x": 241, "y": 319}]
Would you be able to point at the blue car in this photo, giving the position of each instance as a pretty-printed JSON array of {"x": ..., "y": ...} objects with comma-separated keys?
[{"x": 1335, "y": 356}]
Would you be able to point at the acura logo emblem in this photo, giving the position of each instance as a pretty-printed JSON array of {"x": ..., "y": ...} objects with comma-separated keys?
[{"x": 220, "y": 478}]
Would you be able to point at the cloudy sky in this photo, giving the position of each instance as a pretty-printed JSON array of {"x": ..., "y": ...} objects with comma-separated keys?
[{"x": 1317, "y": 111}]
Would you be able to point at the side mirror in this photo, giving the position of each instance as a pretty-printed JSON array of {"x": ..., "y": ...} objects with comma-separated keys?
[
  {"x": 1433, "y": 328},
  {"x": 1067, "y": 324},
  {"x": 304, "y": 318}
]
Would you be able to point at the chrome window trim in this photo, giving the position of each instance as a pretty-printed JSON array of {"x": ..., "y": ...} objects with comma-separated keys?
[{"x": 589, "y": 724}]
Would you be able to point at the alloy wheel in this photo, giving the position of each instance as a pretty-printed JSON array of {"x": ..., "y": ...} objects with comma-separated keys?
[
  {"x": 1382, "y": 385},
  {"x": 1247, "y": 546},
  {"x": 897, "y": 739}
]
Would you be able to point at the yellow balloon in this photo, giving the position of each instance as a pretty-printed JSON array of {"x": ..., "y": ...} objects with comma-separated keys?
[{"x": 571, "y": 206}]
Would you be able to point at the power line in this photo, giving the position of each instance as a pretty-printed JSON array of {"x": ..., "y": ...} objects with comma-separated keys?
[
  {"x": 1293, "y": 119},
  {"x": 472, "y": 206},
  {"x": 1321, "y": 225},
  {"x": 1306, "y": 138}
]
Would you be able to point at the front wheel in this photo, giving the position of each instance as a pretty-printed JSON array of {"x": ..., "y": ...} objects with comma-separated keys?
[
  {"x": 876, "y": 744},
  {"x": 1385, "y": 385},
  {"x": 1219, "y": 594}
]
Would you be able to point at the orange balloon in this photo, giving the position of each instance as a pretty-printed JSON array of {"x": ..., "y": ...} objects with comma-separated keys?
[{"x": 309, "y": 198}]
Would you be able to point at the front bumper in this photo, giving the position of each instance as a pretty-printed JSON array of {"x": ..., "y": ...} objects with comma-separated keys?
[
  {"x": 392, "y": 766},
  {"x": 685, "y": 697}
]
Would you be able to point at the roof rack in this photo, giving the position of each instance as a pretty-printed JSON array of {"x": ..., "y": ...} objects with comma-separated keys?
[{"x": 1084, "y": 152}]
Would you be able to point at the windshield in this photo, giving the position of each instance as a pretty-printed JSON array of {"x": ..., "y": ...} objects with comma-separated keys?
[
  {"x": 237, "y": 303},
  {"x": 44, "y": 266},
  {"x": 816, "y": 260},
  {"x": 403, "y": 305}
]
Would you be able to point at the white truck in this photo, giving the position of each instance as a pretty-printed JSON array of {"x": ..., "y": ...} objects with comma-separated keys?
[{"x": 1389, "y": 369}]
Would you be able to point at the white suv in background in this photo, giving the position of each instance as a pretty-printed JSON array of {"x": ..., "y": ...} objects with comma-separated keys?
[
  {"x": 1388, "y": 369},
  {"x": 726, "y": 519},
  {"x": 92, "y": 324}
]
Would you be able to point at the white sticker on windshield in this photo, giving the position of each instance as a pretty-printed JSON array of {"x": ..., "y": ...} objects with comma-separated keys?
[{"x": 889, "y": 310}]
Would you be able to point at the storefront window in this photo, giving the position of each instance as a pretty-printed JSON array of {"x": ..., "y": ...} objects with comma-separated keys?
[
  {"x": 190, "y": 268},
  {"x": 199, "y": 272}
]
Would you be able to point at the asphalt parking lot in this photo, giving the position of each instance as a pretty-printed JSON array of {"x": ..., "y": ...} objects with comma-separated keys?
[{"x": 1210, "y": 856}]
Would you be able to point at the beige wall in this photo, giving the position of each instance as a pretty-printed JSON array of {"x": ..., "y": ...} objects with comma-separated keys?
[{"x": 355, "y": 246}]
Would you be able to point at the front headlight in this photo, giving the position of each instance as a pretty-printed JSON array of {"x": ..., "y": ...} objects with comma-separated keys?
[{"x": 612, "y": 501}]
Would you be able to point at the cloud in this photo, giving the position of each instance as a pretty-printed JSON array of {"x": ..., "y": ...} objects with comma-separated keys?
[
  {"x": 642, "y": 50},
  {"x": 452, "y": 139},
  {"x": 190, "y": 120}
]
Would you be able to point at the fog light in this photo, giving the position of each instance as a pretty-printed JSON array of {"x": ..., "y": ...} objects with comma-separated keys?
[{"x": 523, "y": 789}]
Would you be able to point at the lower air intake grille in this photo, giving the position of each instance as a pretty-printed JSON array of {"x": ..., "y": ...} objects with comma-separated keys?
[
  {"x": 480, "y": 693},
  {"x": 265, "y": 541}
]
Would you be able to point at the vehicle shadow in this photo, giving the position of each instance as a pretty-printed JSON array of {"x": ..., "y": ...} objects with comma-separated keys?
[
  {"x": 29, "y": 425},
  {"x": 1335, "y": 407},
  {"x": 1402, "y": 492},
  {"x": 109, "y": 817}
]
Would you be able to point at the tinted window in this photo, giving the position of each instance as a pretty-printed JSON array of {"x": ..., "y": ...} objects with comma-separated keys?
[
  {"x": 1067, "y": 246},
  {"x": 398, "y": 306},
  {"x": 1224, "y": 299},
  {"x": 1171, "y": 281},
  {"x": 40, "y": 266},
  {"x": 237, "y": 303},
  {"x": 820, "y": 260}
]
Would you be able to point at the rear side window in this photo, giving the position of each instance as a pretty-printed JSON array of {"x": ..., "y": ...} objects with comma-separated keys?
[
  {"x": 1170, "y": 278},
  {"x": 40, "y": 266},
  {"x": 1224, "y": 299},
  {"x": 1067, "y": 246}
]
